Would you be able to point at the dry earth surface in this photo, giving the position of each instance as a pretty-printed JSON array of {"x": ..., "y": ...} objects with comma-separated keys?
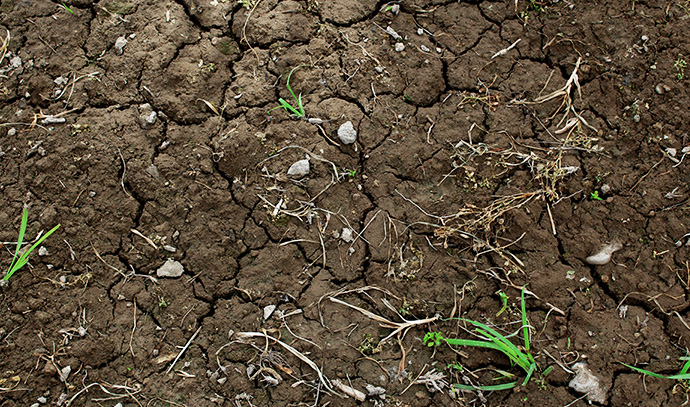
[{"x": 497, "y": 144}]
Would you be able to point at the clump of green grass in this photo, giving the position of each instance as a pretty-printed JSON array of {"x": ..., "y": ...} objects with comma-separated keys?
[
  {"x": 19, "y": 261},
  {"x": 293, "y": 111},
  {"x": 492, "y": 339}
]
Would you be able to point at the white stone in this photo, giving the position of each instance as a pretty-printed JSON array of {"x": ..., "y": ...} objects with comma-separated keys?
[
  {"x": 147, "y": 116},
  {"x": 399, "y": 47},
  {"x": 170, "y": 268},
  {"x": 346, "y": 235},
  {"x": 42, "y": 251},
  {"x": 120, "y": 43},
  {"x": 16, "y": 62},
  {"x": 268, "y": 311},
  {"x": 299, "y": 169},
  {"x": 347, "y": 133},
  {"x": 152, "y": 170},
  {"x": 588, "y": 383},
  {"x": 392, "y": 33}
]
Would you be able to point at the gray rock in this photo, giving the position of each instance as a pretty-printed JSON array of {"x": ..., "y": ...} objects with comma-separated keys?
[
  {"x": 347, "y": 133},
  {"x": 588, "y": 383},
  {"x": 120, "y": 45},
  {"x": 170, "y": 268},
  {"x": 346, "y": 235},
  {"x": 299, "y": 169},
  {"x": 153, "y": 171},
  {"x": 147, "y": 116}
]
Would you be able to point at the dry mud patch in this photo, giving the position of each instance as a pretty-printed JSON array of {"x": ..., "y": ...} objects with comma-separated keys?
[{"x": 499, "y": 144}]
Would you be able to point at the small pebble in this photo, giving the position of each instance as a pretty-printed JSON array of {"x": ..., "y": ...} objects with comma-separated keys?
[
  {"x": 120, "y": 45},
  {"x": 399, "y": 47},
  {"x": 424, "y": 48},
  {"x": 42, "y": 251},
  {"x": 392, "y": 33},
  {"x": 268, "y": 311},
  {"x": 378, "y": 69},
  {"x": 662, "y": 88},
  {"x": 147, "y": 116},
  {"x": 152, "y": 170},
  {"x": 347, "y": 133},
  {"x": 11, "y": 132},
  {"x": 636, "y": 118},
  {"x": 346, "y": 235},
  {"x": 605, "y": 189},
  {"x": 299, "y": 169},
  {"x": 420, "y": 31},
  {"x": 170, "y": 268},
  {"x": 603, "y": 256}
]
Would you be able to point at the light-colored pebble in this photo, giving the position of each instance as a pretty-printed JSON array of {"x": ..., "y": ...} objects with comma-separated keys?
[
  {"x": 603, "y": 256},
  {"x": 268, "y": 311},
  {"x": 171, "y": 268},
  {"x": 346, "y": 235},
  {"x": 347, "y": 133},
  {"x": 588, "y": 383},
  {"x": 120, "y": 43},
  {"x": 152, "y": 170},
  {"x": 399, "y": 47},
  {"x": 299, "y": 169}
]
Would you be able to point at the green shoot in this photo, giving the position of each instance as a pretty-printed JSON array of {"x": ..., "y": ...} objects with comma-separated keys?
[
  {"x": 67, "y": 8},
  {"x": 594, "y": 196},
  {"x": 504, "y": 301},
  {"x": 680, "y": 66},
  {"x": 682, "y": 375},
  {"x": 492, "y": 339},
  {"x": 298, "y": 111},
  {"x": 20, "y": 261}
]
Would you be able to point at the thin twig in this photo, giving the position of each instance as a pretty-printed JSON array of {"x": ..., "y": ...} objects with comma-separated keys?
[{"x": 189, "y": 342}]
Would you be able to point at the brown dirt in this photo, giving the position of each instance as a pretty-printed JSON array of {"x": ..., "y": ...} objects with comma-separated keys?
[{"x": 445, "y": 134}]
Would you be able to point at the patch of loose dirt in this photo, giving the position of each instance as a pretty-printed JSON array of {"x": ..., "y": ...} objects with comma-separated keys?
[{"x": 148, "y": 130}]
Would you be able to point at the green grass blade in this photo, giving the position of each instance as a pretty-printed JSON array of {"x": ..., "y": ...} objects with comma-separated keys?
[
  {"x": 472, "y": 343},
  {"x": 20, "y": 240},
  {"x": 648, "y": 373},
  {"x": 685, "y": 368},
  {"x": 495, "y": 387},
  {"x": 532, "y": 368},
  {"x": 525, "y": 326},
  {"x": 25, "y": 257},
  {"x": 507, "y": 347},
  {"x": 510, "y": 350},
  {"x": 288, "y": 107}
]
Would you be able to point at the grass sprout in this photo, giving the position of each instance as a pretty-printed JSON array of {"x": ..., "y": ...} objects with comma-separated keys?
[
  {"x": 682, "y": 375},
  {"x": 19, "y": 261},
  {"x": 293, "y": 111},
  {"x": 491, "y": 339}
]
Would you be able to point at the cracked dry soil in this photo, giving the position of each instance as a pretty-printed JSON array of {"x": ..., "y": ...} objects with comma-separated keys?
[{"x": 151, "y": 116}]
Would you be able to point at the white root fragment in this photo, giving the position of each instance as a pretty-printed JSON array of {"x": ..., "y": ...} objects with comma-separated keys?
[
  {"x": 603, "y": 256},
  {"x": 352, "y": 392}
]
